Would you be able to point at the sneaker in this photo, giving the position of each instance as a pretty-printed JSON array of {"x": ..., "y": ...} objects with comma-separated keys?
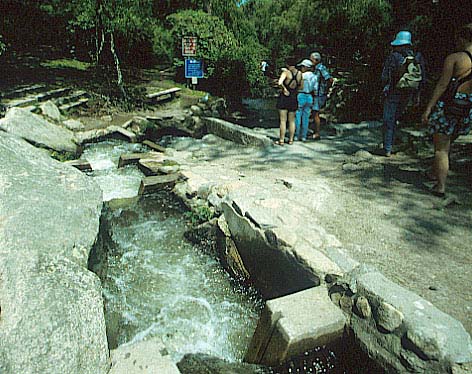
[{"x": 303, "y": 139}]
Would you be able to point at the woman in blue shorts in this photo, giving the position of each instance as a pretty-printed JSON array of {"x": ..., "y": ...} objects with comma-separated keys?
[{"x": 446, "y": 127}]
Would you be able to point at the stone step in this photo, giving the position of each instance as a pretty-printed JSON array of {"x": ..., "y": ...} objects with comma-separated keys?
[
  {"x": 74, "y": 96},
  {"x": 133, "y": 158},
  {"x": 36, "y": 98},
  {"x": 73, "y": 105},
  {"x": 154, "y": 146},
  {"x": 22, "y": 91},
  {"x": 21, "y": 102},
  {"x": 159, "y": 182},
  {"x": 44, "y": 96}
]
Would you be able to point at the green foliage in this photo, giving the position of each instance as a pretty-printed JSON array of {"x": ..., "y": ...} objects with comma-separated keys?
[
  {"x": 226, "y": 59},
  {"x": 62, "y": 156},
  {"x": 199, "y": 214},
  {"x": 162, "y": 44},
  {"x": 66, "y": 64}
]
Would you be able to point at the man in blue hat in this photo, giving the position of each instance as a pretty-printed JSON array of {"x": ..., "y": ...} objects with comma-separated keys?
[{"x": 403, "y": 76}]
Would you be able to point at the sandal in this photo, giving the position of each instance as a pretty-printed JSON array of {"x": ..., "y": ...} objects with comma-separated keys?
[
  {"x": 290, "y": 142},
  {"x": 279, "y": 142},
  {"x": 316, "y": 137}
]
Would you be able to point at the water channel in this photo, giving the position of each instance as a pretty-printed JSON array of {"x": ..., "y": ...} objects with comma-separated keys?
[{"x": 158, "y": 284}]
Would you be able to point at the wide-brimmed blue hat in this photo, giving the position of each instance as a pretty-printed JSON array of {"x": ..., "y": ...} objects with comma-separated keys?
[{"x": 402, "y": 38}]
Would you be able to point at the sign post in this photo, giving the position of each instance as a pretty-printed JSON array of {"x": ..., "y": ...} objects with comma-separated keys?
[{"x": 194, "y": 70}]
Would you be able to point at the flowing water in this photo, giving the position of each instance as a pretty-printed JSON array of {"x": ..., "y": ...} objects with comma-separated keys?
[
  {"x": 115, "y": 183},
  {"x": 157, "y": 283}
]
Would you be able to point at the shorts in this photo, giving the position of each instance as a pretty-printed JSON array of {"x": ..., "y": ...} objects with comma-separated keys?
[
  {"x": 289, "y": 103},
  {"x": 319, "y": 102},
  {"x": 440, "y": 123}
]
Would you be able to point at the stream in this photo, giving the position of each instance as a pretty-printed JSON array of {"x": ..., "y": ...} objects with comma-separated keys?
[{"x": 159, "y": 284}]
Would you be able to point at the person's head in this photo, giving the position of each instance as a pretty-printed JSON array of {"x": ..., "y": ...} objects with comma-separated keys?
[
  {"x": 305, "y": 65},
  {"x": 290, "y": 62},
  {"x": 315, "y": 58},
  {"x": 464, "y": 36},
  {"x": 402, "y": 39}
]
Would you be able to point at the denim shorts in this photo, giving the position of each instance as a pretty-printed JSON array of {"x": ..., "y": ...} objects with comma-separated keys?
[{"x": 319, "y": 102}]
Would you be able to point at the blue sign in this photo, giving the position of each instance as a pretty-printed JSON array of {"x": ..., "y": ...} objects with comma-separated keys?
[{"x": 193, "y": 68}]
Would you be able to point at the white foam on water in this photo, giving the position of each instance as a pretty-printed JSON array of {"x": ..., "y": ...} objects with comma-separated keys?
[{"x": 176, "y": 292}]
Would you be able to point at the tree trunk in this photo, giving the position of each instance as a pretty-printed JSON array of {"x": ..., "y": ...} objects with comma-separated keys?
[{"x": 117, "y": 66}]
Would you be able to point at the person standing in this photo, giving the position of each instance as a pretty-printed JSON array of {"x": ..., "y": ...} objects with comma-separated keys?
[
  {"x": 323, "y": 82},
  {"x": 403, "y": 76},
  {"x": 452, "y": 104},
  {"x": 290, "y": 82},
  {"x": 305, "y": 100}
]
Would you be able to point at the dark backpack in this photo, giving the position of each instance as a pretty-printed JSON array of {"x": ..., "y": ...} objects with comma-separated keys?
[
  {"x": 409, "y": 73},
  {"x": 457, "y": 106}
]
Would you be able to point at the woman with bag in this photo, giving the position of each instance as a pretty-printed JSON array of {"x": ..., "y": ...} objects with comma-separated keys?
[{"x": 452, "y": 103}]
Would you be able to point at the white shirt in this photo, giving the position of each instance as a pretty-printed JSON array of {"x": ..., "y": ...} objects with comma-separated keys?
[{"x": 309, "y": 81}]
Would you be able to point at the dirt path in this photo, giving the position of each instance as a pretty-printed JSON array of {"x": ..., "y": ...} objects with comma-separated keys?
[{"x": 376, "y": 207}]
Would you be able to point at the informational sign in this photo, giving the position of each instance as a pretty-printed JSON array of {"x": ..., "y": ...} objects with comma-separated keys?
[
  {"x": 193, "y": 68},
  {"x": 189, "y": 46}
]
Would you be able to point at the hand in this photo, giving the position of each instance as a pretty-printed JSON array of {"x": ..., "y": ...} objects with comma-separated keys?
[
  {"x": 286, "y": 92},
  {"x": 425, "y": 116}
]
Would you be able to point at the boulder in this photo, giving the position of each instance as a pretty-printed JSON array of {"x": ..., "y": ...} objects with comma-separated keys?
[
  {"x": 36, "y": 130},
  {"x": 52, "y": 317},
  {"x": 49, "y": 109}
]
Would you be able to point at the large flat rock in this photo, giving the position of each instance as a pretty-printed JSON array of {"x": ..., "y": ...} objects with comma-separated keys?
[
  {"x": 52, "y": 317},
  {"x": 36, "y": 130}
]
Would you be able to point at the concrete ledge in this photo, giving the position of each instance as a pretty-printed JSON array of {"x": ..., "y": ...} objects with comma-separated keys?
[
  {"x": 294, "y": 324},
  {"x": 146, "y": 357},
  {"x": 235, "y": 133}
]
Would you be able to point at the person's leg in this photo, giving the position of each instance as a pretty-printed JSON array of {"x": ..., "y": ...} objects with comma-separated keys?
[
  {"x": 389, "y": 119},
  {"x": 442, "y": 144},
  {"x": 306, "y": 118},
  {"x": 318, "y": 103},
  {"x": 283, "y": 124},
  {"x": 291, "y": 126},
  {"x": 298, "y": 116}
]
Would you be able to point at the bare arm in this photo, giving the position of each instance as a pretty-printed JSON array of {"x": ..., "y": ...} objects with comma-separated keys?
[
  {"x": 441, "y": 86},
  {"x": 282, "y": 78}
]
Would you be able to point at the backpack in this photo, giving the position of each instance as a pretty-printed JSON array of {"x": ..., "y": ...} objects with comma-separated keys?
[
  {"x": 409, "y": 73},
  {"x": 457, "y": 106}
]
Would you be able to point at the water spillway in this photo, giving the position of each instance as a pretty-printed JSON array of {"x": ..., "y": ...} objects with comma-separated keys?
[{"x": 158, "y": 284}]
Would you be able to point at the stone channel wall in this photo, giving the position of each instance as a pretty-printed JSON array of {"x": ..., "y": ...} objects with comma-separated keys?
[
  {"x": 51, "y": 308},
  {"x": 400, "y": 330}
]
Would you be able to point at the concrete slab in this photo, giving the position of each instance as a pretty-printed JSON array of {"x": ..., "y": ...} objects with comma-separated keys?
[{"x": 294, "y": 324}]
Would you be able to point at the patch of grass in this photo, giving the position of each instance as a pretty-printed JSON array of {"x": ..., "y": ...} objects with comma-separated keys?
[
  {"x": 62, "y": 156},
  {"x": 199, "y": 215},
  {"x": 65, "y": 63}
]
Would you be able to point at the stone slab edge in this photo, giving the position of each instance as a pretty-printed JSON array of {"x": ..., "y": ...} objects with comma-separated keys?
[
  {"x": 451, "y": 351},
  {"x": 235, "y": 133}
]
